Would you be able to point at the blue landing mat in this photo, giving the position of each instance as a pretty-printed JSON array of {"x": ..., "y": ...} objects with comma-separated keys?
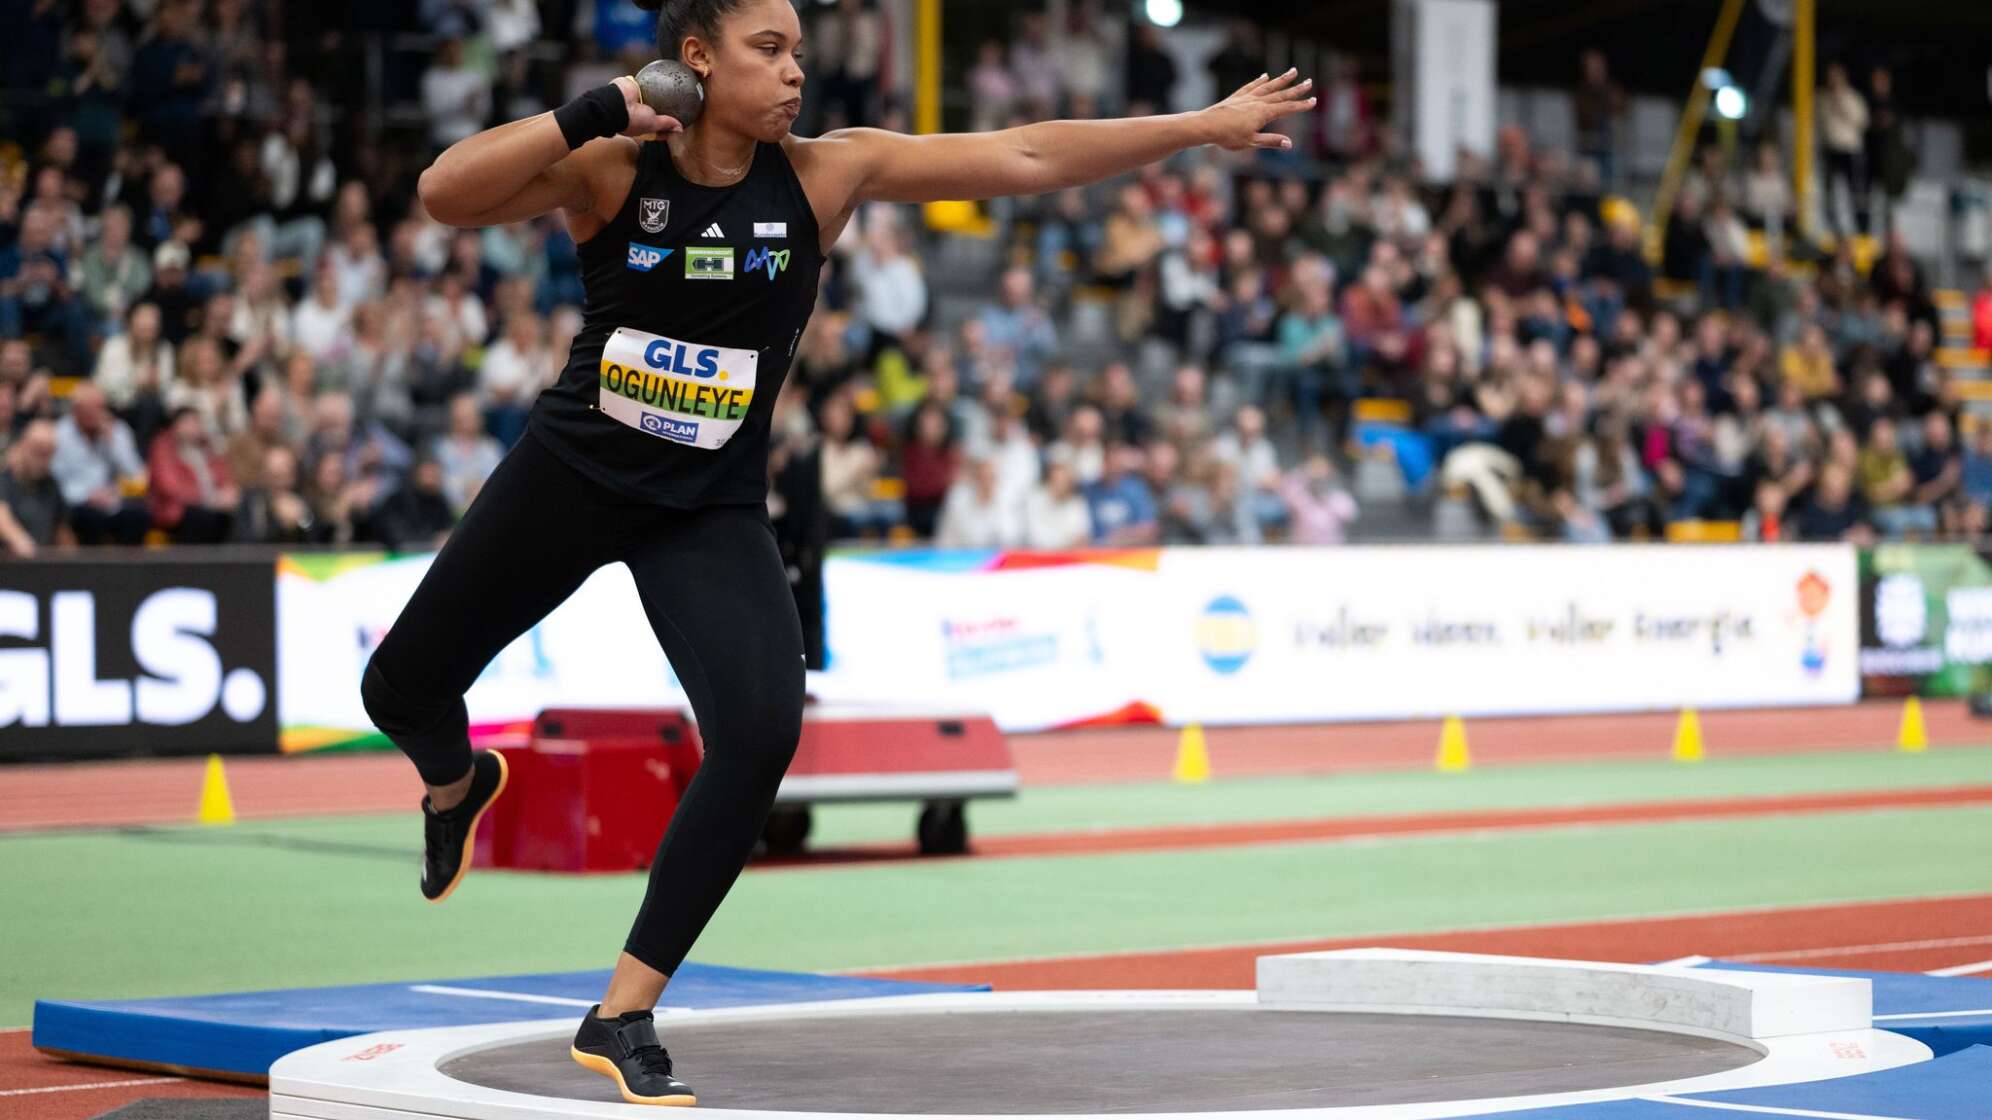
[{"x": 243, "y": 1032}]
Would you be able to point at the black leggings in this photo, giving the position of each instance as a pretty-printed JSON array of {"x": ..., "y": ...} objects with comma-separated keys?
[{"x": 713, "y": 586}]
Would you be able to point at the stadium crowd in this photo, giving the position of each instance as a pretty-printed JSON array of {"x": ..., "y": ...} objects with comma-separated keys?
[{"x": 223, "y": 317}]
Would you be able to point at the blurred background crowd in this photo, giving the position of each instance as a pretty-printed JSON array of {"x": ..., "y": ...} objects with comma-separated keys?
[{"x": 223, "y": 316}]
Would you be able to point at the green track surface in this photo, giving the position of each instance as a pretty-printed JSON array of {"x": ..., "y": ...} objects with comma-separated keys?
[
  {"x": 93, "y": 915},
  {"x": 1080, "y": 808}
]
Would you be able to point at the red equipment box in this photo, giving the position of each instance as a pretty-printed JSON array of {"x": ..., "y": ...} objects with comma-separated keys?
[
  {"x": 592, "y": 791},
  {"x": 595, "y": 788}
]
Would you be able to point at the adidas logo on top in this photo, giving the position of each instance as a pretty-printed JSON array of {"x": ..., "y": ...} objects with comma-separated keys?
[{"x": 713, "y": 230}]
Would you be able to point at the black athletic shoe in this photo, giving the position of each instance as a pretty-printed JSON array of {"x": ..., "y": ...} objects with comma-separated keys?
[
  {"x": 626, "y": 1050},
  {"x": 446, "y": 837}
]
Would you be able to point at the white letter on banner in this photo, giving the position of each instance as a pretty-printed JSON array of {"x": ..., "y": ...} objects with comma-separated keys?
[
  {"x": 169, "y": 637},
  {"x": 80, "y": 698},
  {"x": 23, "y": 672}
]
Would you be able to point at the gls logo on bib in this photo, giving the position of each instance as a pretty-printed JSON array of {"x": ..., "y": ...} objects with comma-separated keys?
[
  {"x": 643, "y": 258},
  {"x": 681, "y": 391}
]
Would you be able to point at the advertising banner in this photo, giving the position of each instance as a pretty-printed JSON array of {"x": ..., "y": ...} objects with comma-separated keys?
[
  {"x": 164, "y": 655},
  {"x": 1221, "y": 636},
  {"x": 1926, "y": 620},
  {"x": 1289, "y": 635},
  {"x": 1297, "y": 635},
  {"x": 594, "y": 650}
]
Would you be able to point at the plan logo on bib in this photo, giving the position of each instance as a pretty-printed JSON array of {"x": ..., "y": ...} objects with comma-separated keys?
[
  {"x": 768, "y": 259},
  {"x": 683, "y": 431},
  {"x": 653, "y": 213}
]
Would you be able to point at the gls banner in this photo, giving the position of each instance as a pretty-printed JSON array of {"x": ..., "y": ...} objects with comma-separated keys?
[{"x": 102, "y": 659}]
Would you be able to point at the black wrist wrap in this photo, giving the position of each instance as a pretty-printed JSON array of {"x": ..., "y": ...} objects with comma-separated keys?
[{"x": 599, "y": 112}]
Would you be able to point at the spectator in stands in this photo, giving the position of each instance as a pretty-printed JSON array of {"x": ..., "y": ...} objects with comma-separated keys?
[
  {"x": 993, "y": 90},
  {"x": 1318, "y": 507},
  {"x": 273, "y": 422},
  {"x": 1766, "y": 520},
  {"x": 892, "y": 290},
  {"x": 1034, "y": 61},
  {"x": 1835, "y": 511},
  {"x": 466, "y": 453},
  {"x": 1151, "y": 74},
  {"x": 8, "y": 417},
  {"x": 341, "y": 506},
  {"x": 511, "y": 376},
  {"x": 135, "y": 369},
  {"x": 172, "y": 76},
  {"x": 1132, "y": 239},
  {"x": 112, "y": 273},
  {"x": 852, "y": 41},
  {"x": 1018, "y": 328},
  {"x": 1937, "y": 469},
  {"x": 33, "y": 514},
  {"x": 928, "y": 462},
  {"x": 172, "y": 291},
  {"x": 193, "y": 492},
  {"x": 850, "y": 471},
  {"x": 35, "y": 292},
  {"x": 418, "y": 516},
  {"x": 205, "y": 384},
  {"x": 1247, "y": 450},
  {"x": 1007, "y": 444},
  {"x": 1056, "y": 516},
  {"x": 272, "y": 511},
  {"x": 1808, "y": 364},
  {"x": 1843, "y": 124},
  {"x": 1599, "y": 103},
  {"x": 95, "y": 455},
  {"x": 370, "y": 456},
  {"x": 1082, "y": 448},
  {"x": 1314, "y": 359},
  {"x": 976, "y": 513},
  {"x": 1885, "y": 148},
  {"x": 1123, "y": 509},
  {"x": 1887, "y": 485},
  {"x": 456, "y": 96}
]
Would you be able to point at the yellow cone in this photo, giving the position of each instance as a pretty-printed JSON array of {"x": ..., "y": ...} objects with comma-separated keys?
[
  {"x": 216, "y": 806},
  {"x": 1453, "y": 755},
  {"x": 1192, "y": 756},
  {"x": 1913, "y": 737},
  {"x": 1688, "y": 737}
]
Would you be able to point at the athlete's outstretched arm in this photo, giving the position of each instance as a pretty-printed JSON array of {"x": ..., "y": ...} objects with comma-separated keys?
[
  {"x": 529, "y": 167},
  {"x": 1050, "y": 155}
]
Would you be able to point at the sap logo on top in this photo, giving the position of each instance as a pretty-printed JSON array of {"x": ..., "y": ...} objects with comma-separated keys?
[
  {"x": 170, "y": 639},
  {"x": 643, "y": 257},
  {"x": 667, "y": 356},
  {"x": 774, "y": 262}
]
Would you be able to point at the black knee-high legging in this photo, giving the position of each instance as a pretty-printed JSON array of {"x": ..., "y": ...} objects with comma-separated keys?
[{"x": 714, "y": 589}]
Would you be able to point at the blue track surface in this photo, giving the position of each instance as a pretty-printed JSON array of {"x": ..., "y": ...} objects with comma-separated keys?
[{"x": 243, "y": 1032}]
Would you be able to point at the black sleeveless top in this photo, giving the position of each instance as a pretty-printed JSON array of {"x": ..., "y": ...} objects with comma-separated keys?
[{"x": 696, "y": 299}]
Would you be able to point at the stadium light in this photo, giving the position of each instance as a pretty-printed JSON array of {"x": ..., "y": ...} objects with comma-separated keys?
[
  {"x": 1165, "y": 13},
  {"x": 1731, "y": 103}
]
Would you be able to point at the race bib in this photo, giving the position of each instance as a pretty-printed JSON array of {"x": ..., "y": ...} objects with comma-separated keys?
[{"x": 680, "y": 391}]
